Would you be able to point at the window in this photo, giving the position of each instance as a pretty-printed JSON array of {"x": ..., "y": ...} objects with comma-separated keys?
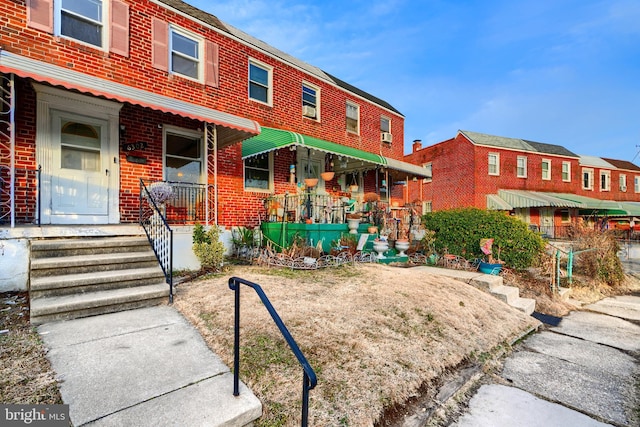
[
  {"x": 257, "y": 172},
  {"x": 546, "y": 169},
  {"x": 184, "y": 156},
  {"x": 260, "y": 82},
  {"x": 185, "y": 54},
  {"x": 566, "y": 171},
  {"x": 605, "y": 180},
  {"x": 587, "y": 179},
  {"x": 623, "y": 182},
  {"x": 636, "y": 184},
  {"x": 427, "y": 207},
  {"x": 521, "y": 170},
  {"x": 385, "y": 124},
  {"x": 82, "y": 20},
  {"x": 353, "y": 117},
  {"x": 428, "y": 172},
  {"x": 309, "y": 101},
  {"x": 565, "y": 216},
  {"x": 80, "y": 147},
  {"x": 494, "y": 164}
]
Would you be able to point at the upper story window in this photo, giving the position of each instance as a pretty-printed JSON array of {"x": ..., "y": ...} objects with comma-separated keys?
[
  {"x": 623, "y": 182},
  {"x": 546, "y": 169},
  {"x": 494, "y": 163},
  {"x": 385, "y": 129},
  {"x": 566, "y": 171},
  {"x": 310, "y": 101},
  {"x": 521, "y": 170},
  {"x": 587, "y": 179},
  {"x": 258, "y": 173},
  {"x": 605, "y": 180},
  {"x": 260, "y": 78},
  {"x": 636, "y": 184},
  {"x": 82, "y": 20},
  {"x": 353, "y": 117},
  {"x": 186, "y": 54},
  {"x": 428, "y": 172}
]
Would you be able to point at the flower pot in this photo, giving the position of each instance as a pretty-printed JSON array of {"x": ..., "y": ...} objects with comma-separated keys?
[
  {"x": 311, "y": 182},
  {"x": 353, "y": 188},
  {"x": 327, "y": 176},
  {"x": 402, "y": 245},
  {"x": 380, "y": 246},
  {"x": 489, "y": 268},
  {"x": 353, "y": 224}
]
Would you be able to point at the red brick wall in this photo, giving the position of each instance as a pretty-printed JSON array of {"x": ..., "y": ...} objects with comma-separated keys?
[
  {"x": 236, "y": 206},
  {"x": 453, "y": 184}
]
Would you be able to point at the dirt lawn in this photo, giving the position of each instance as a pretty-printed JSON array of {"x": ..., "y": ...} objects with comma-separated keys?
[{"x": 373, "y": 333}]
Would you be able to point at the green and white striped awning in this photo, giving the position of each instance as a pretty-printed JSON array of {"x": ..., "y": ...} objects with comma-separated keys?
[
  {"x": 271, "y": 139},
  {"x": 514, "y": 199}
]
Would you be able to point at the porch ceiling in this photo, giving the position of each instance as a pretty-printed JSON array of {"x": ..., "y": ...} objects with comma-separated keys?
[
  {"x": 271, "y": 139},
  {"x": 231, "y": 128}
]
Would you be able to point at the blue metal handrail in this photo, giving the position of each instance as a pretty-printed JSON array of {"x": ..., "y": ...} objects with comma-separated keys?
[
  {"x": 309, "y": 379},
  {"x": 159, "y": 234}
]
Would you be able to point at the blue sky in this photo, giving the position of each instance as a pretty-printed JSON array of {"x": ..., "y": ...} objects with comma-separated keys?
[{"x": 562, "y": 72}]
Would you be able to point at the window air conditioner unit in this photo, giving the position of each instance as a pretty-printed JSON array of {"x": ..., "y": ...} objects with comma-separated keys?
[
  {"x": 308, "y": 111},
  {"x": 387, "y": 137}
]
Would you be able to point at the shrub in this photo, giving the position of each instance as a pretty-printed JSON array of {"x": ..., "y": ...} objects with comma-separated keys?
[
  {"x": 599, "y": 257},
  {"x": 459, "y": 232},
  {"x": 208, "y": 248}
]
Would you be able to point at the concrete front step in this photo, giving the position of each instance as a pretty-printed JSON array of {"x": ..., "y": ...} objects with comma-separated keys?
[
  {"x": 91, "y": 263},
  {"x": 526, "y": 305},
  {"x": 45, "y": 286},
  {"x": 508, "y": 294},
  {"x": 89, "y": 304},
  {"x": 51, "y": 248}
]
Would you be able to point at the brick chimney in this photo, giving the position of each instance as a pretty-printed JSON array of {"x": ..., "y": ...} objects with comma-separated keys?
[{"x": 417, "y": 145}]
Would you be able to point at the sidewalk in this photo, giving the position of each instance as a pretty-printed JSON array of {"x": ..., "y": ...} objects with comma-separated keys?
[
  {"x": 145, "y": 367},
  {"x": 579, "y": 373}
]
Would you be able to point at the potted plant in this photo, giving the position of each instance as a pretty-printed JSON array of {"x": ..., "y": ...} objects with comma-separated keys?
[
  {"x": 492, "y": 265},
  {"x": 353, "y": 222}
]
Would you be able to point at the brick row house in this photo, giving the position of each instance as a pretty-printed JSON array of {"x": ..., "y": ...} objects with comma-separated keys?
[
  {"x": 545, "y": 185},
  {"x": 98, "y": 95}
]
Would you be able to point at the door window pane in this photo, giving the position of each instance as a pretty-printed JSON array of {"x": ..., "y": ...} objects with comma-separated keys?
[{"x": 80, "y": 147}]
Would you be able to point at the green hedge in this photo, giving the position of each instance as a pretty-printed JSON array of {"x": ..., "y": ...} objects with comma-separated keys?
[{"x": 459, "y": 231}]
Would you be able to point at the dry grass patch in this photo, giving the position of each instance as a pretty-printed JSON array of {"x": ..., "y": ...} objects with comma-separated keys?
[
  {"x": 25, "y": 373},
  {"x": 373, "y": 333}
]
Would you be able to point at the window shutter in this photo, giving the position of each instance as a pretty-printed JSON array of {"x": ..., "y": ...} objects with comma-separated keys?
[
  {"x": 160, "y": 50},
  {"x": 119, "y": 28},
  {"x": 40, "y": 15},
  {"x": 212, "y": 66}
]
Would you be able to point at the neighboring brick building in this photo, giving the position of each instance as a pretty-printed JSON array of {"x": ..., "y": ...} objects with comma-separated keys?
[
  {"x": 110, "y": 92},
  {"x": 546, "y": 185}
]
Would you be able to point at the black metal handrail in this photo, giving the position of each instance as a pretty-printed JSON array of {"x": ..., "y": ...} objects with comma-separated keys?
[
  {"x": 159, "y": 233},
  {"x": 309, "y": 379}
]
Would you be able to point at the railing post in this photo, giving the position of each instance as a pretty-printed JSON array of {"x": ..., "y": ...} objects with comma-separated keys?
[
  {"x": 305, "y": 399},
  {"x": 236, "y": 342}
]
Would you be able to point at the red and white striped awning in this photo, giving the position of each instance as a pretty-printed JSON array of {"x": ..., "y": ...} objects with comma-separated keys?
[{"x": 233, "y": 128}]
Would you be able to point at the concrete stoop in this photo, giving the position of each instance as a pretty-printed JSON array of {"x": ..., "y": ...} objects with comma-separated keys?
[
  {"x": 79, "y": 277},
  {"x": 509, "y": 294}
]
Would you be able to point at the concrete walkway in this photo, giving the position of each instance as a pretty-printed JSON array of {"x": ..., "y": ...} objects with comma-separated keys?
[
  {"x": 582, "y": 372},
  {"x": 145, "y": 367}
]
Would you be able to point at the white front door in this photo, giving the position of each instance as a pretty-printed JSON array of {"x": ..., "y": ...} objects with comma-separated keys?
[
  {"x": 79, "y": 170},
  {"x": 77, "y": 147}
]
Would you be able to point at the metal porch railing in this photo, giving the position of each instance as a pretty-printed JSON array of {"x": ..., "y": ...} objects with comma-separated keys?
[
  {"x": 20, "y": 196},
  {"x": 309, "y": 379},
  {"x": 159, "y": 233}
]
